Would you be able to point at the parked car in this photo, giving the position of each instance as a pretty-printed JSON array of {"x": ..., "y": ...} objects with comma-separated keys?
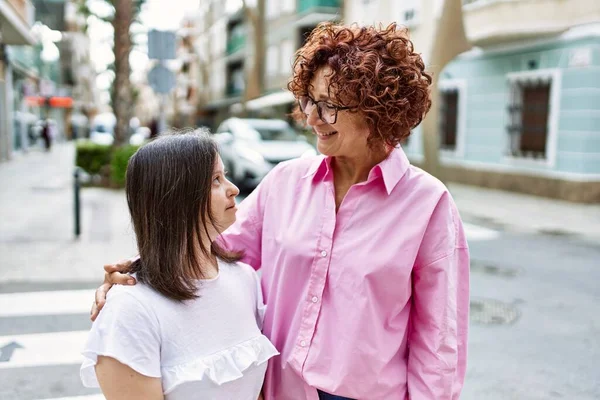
[
  {"x": 252, "y": 147},
  {"x": 102, "y": 129}
]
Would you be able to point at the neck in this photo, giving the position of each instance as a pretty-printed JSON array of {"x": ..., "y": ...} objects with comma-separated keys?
[
  {"x": 209, "y": 266},
  {"x": 354, "y": 170}
]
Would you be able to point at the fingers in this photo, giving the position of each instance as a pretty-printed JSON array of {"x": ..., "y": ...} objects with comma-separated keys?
[
  {"x": 120, "y": 266},
  {"x": 99, "y": 301},
  {"x": 117, "y": 278}
]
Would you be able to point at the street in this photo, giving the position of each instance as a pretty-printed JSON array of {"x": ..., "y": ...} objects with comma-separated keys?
[{"x": 535, "y": 317}]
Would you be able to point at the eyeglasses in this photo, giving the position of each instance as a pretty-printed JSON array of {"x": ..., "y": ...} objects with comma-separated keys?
[{"x": 327, "y": 112}]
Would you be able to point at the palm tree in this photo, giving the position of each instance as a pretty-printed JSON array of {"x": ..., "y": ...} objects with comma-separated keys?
[
  {"x": 125, "y": 12},
  {"x": 254, "y": 25},
  {"x": 121, "y": 95}
]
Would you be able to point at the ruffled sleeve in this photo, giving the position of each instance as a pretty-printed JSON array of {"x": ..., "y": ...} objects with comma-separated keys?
[{"x": 126, "y": 331}]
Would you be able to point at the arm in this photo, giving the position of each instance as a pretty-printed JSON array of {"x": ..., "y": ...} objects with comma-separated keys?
[
  {"x": 120, "y": 382},
  {"x": 440, "y": 309}
]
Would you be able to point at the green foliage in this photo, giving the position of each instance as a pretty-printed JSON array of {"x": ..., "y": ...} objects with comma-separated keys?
[
  {"x": 118, "y": 164},
  {"x": 91, "y": 157}
]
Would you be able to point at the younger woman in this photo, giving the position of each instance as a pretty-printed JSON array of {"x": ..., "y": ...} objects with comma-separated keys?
[{"x": 191, "y": 328}]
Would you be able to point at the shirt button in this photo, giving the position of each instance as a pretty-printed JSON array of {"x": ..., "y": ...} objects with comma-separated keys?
[
  {"x": 323, "y": 253},
  {"x": 315, "y": 299},
  {"x": 303, "y": 343}
]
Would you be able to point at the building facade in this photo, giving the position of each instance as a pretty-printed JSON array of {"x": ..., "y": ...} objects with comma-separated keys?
[
  {"x": 520, "y": 110},
  {"x": 16, "y": 19}
]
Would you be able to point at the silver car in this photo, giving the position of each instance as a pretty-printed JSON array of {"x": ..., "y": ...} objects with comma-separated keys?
[{"x": 252, "y": 147}]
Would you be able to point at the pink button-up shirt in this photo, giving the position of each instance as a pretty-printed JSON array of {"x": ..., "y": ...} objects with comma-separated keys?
[{"x": 370, "y": 302}]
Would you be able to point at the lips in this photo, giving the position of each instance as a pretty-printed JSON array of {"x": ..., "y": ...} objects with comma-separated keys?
[
  {"x": 325, "y": 134},
  {"x": 231, "y": 206}
]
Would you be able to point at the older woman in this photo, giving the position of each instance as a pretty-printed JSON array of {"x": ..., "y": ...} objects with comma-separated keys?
[{"x": 365, "y": 266}]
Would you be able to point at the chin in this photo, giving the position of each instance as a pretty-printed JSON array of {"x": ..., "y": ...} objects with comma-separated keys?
[{"x": 324, "y": 150}]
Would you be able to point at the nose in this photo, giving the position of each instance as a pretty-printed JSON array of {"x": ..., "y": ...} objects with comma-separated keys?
[
  {"x": 312, "y": 116},
  {"x": 232, "y": 190}
]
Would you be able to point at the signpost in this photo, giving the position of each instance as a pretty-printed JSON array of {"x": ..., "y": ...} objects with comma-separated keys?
[{"x": 161, "y": 47}]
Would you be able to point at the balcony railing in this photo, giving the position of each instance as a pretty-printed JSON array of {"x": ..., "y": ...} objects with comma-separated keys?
[
  {"x": 305, "y": 5},
  {"x": 491, "y": 22}
]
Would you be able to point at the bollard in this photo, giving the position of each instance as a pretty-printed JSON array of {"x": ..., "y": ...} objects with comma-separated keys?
[{"x": 77, "y": 203}]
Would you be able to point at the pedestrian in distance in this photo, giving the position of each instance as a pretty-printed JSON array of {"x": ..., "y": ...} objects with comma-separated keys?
[
  {"x": 365, "y": 265},
  {"x": 190, "y": 328},
  {"x": 46, "y": 134}
]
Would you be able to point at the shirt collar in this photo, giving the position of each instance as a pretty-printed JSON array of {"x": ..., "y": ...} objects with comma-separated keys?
[{"x": 392, "y": 169}]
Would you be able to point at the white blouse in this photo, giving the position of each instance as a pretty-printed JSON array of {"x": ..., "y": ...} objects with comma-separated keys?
[{"x": 207, "y": 348}]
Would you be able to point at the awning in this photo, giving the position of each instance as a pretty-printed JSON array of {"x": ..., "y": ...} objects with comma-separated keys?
[
  {"x": 272, "y": 99},
  {"x": 13, "y": 29}
]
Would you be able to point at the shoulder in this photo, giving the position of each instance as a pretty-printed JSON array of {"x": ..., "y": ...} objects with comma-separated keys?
[
  {"x": 295, "y": 168},
  {"x": 425, "y": 184},
  {"x": 133, "y": 301},
  {"x": 241, "y": 269}
]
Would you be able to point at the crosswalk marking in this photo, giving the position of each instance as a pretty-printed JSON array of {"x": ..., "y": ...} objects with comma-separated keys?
[
  {"x": 45, "y": 349},
  {"x": 476, "y": 232},
  {"x": 62, "y": 350},
  {"x": 46, "y": 303}
]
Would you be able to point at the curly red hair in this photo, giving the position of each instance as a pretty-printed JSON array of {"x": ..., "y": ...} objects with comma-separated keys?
[{"x": 376, "y": 71}]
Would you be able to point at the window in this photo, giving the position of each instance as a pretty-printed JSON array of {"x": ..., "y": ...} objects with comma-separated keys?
[
  {"x": 533, "y": 111},
  {"x": 236, "y": 80},
  {"x": 528, "y": 116},
  {"x": 287, "y": 54},
  {"x": 272, "y": 60},
  {"x": 448, "y": 119},
  {"x": 272, "y": 7},
  {"x": 452, "y": 116}
]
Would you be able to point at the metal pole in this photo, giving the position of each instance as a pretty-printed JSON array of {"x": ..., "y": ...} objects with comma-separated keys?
[
  {"x": 77, "y": 205},
  {"x": 162, "y": 118}
]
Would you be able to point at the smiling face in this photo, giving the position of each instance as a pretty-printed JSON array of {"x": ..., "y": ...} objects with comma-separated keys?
[
  {"x": 348, "y": 136},
  {"x": 222, "y": 198}
]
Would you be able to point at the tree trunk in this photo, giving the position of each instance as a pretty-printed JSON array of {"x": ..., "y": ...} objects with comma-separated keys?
[
  {"x": 254, "y": 72},
  {"x": 121, "y": 95},
  {"x": 449, "y": 41}
]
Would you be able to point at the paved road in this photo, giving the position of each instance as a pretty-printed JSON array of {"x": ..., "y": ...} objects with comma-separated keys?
[
  {"x": 534, "y": 330},
  {"x": 535, "y": 315}
]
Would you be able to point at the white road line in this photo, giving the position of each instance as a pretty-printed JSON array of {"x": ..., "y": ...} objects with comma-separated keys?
[
  {"x": 476, "y": 232},
  {"x": 90, "y": 397},
  {"x": 39, "y": 349},
  {"x": 46, "y": 303}
]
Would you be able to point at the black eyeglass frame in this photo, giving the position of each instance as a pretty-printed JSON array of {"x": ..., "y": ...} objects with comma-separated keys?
[{"x": 316, "y": 104}]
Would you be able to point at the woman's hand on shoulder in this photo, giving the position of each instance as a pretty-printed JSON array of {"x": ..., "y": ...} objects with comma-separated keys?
[{"x": 113, "y": 274}]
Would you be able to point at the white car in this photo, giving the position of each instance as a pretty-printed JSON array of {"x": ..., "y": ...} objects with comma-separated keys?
[{"x": 252, "y": 147}]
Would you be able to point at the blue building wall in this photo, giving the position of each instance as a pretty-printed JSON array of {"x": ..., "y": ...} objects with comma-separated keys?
[{"x": 487, "y": 90}]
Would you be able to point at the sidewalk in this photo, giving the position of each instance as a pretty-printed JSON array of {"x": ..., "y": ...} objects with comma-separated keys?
[
  {"x": 526, "y": 213},
  {"x": 37, "y": 240}
]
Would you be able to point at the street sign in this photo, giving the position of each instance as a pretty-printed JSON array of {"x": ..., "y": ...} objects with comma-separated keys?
[
  {"x": 161, "y": 79},
  {"x": 161, "y": 45}
]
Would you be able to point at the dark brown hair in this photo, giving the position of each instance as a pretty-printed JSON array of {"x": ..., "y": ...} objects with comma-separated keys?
[
  {"x": 168, "y": 188},
  {"x": 375, "y": 70}
]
